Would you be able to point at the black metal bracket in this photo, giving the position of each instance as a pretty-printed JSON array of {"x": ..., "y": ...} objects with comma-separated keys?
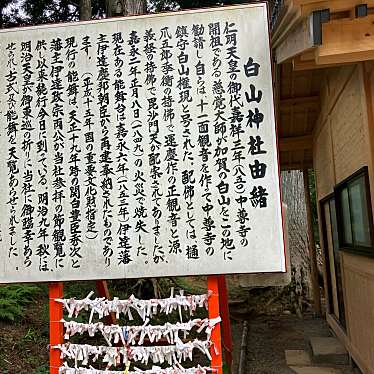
[
  {"x": 319, "y": 17},
  {"x": 361, "y": 10}
]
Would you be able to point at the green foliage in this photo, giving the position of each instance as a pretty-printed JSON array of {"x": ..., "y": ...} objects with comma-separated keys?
[
  {"x": 167, "y": 5},
  {"x": 13, "y": 298},
  {"x": 10, "y": 310},
  {"x": 30, "y": 335},
  {"x": 41, "y": 370},
  {"x": 226, "y": 369},
  {"x": 47, "y": 11},
  {"x": 7, "y": 17},
  {"x": 16, "y": 13},
  {"x": 181, "y": 283}
]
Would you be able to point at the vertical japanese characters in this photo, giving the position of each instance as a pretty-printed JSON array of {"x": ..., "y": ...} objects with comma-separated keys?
[
  {"x": 106, "y": 155},
  {"x": 12, "y": 130},
  {"x": 74, "y": 131},
  {"x": 43, "y": 147},
  {"x": 59, "y": 182}
]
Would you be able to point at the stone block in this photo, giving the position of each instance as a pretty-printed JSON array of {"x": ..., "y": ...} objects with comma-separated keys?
[
  {"x": 328, "y": 350},
  {"x": 297, "y": 358}
]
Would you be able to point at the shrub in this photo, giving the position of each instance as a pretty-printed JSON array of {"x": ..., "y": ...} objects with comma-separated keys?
[{"x": 13, "y": 298}]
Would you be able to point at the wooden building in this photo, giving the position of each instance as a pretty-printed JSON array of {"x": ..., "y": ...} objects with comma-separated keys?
[{"x": 323, "y": 54}]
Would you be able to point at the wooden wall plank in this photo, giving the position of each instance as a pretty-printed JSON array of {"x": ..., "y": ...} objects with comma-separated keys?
[
  {"x": 359, "y": 288},
  {"x": 367, "y": 70},
  {"x": 350, "y": 150},
  {"x": 333, "y": 83},
  {"x": 342, "y": 146},
  {"x": 323, "y": 163},
  {"x": 294, "y": 143}
]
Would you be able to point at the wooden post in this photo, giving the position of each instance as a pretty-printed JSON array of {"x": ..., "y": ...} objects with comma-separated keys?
[
  {"x": 225, "y": 315},
  {"x": 312, "y": 247},
  {"x": 213, "y": 311},
  {"x": 56, "y": 329}
]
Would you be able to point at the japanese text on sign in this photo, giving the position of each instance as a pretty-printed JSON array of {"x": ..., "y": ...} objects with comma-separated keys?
[{"x": 142, "y": 146}]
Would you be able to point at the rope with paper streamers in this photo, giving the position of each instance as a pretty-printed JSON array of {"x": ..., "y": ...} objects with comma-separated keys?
[
  {"x": 131, "y": 338},
  {"x": 114, "y": 356},
  {"x": 155, "y": 370},
  {"x": 136, "y": 334},
  {"x": 145, "y": 308}
]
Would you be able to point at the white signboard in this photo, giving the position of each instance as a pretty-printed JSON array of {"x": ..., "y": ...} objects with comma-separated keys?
[{"x": 140, "y": 146}]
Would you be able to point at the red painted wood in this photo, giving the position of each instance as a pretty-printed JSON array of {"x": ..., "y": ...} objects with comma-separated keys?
[
  {"x": 56, "y": 328},
  {"x": 213, "y": 312},
  {"x": 225, "y": 315}
]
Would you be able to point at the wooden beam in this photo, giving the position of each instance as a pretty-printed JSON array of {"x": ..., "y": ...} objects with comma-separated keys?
[
  {"x": 300, "y": 63},
  {"x": 295, "y": 143},
  {"x": 296, "y": 165},
  {"x": 298, "y": 41},
  {"x": 346, "y": 41},
  {"x": 288, "y": 18},
  {"x": 295, "y": 11},
  {"x": 303, "y": 37},
  {"x": 307, "y": 56},
  {"x": 299, "y": 103},
  {"x": 335, "y": 6}
]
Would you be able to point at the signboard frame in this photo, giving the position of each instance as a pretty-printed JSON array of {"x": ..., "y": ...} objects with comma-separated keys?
[{"x": 116, "y": 19}]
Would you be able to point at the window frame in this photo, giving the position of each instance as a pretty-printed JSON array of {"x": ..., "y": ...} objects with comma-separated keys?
[
  {"x": 354, "y": 248},
  {"x": 341, "y": 319},
  {"x": 326, "y": 258}
]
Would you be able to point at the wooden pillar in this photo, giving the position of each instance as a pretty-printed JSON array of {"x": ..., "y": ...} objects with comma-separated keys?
[
  {"x": 56, "y": 329},
  {"x": 312, "y": 247},
  {"x": 214, "y": 312},
  {"x": 226, "y": 324}
]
